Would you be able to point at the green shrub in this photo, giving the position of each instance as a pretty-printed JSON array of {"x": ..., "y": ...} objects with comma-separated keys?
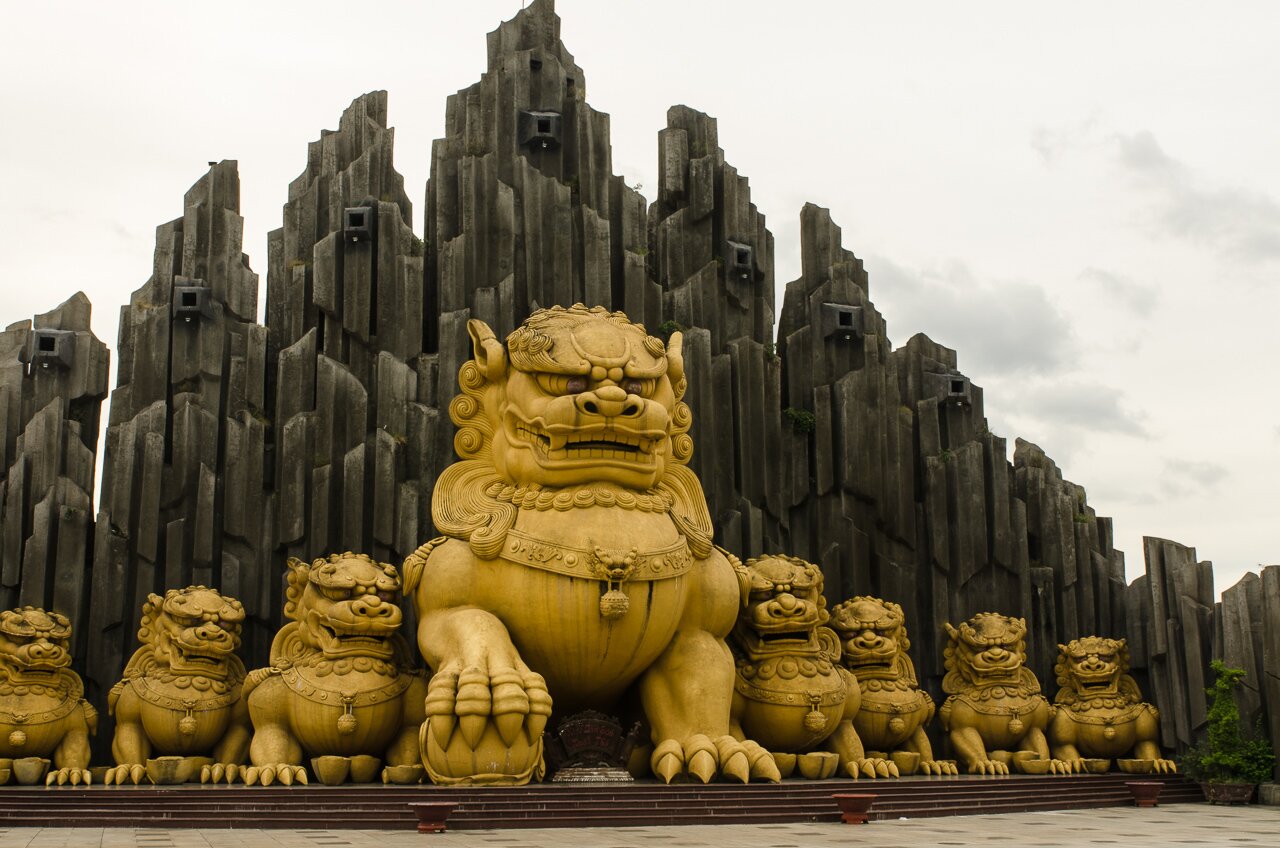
[
  {"x": 801, "y": 420},
  {"x": 1228, "y": 756}
]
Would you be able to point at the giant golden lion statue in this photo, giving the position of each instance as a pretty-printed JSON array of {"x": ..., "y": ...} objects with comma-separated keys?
[
  {"x": 577, "y": 562},
  {"x": 1100, "y": 711},
  {"x": 891, "y": 721},
  {"x": 791, "y": 694},
  {"x": 995, "y": 711},
  {"x": 342, "y": 682},
  {"x": 180, "y": 696},
  {"x": 42, "y": 709}
]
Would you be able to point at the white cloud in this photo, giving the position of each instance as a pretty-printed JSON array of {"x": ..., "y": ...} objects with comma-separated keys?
[
  {"x": 1240, "y": 223},
  {"x": 998, "y": 326}
]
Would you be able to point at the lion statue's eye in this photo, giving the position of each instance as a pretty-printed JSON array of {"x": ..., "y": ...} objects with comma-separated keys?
[
  {"x": 643, "y": 388},
  {"x": 335, "y": 593},
  {"x": 562, "y": 384}
]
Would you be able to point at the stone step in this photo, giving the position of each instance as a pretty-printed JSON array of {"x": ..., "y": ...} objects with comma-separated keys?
[{"x": 639, "y": 804}]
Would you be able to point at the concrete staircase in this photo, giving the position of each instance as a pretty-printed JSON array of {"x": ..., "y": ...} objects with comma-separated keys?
[{"x": 644, "y": 803}]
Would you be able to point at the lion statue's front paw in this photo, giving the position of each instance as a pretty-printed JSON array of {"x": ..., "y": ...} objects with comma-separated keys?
[
  {"x": 872, "y": 767},
  {"x": 939, "y": 767},
  {"x": 134, "y": 773},
  {"x": 485, "y": 725},
  {"x": 63, "y": 776},
  {"x": 287, "y": 773},
  {"x": 219, "y": 772},
  {"x": 988, "y": 767},
  {"x": 703, "y": 759}
]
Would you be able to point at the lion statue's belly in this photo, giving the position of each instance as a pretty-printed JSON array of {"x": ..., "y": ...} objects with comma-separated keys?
[
  {"x": 1003, "y": 723},
  {"x": 317, "y": 713},
  {"x": 33, "y": 737},
  {"x": 556, "y": 620},
  {"x": 888, "y": 718},
  {"x": 163, "y": 726},
  {"x": 1095, "y": 737},
  {"x": 794, "y": 705},
  {"x": 586, "y": 659}
]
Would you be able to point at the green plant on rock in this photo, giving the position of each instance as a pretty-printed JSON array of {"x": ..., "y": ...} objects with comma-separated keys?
[
  {"x": 802, "y": 421},
  {"x": 944, "y": 455},
  {"x": 1227, "y": 755},
  {"x": 668, "y": 328}
]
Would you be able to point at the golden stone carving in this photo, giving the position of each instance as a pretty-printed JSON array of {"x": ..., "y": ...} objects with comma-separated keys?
[
  {"x": 342, "y": 682},
  {"x": 577, "y": 559},
  {"x": 995, "y": 714},
  {"x": 181, "y": 692},
  {"x": 1100, "y": 712},
  {"x": 891, "y": 720},
  {"x": 42, "y": 709},
  {"x": 791, "y": 693}
]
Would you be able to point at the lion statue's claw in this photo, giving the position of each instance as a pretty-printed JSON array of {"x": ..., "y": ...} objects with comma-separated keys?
[
  {"x": 218, "y": 772},
  {"x": 702, "y": 759},
  {"x": 134, "y": 773},
  {"x": 63, "y": 776},
  {"x": 498, "y": 708},
  {"x": 287, "y": 773}
]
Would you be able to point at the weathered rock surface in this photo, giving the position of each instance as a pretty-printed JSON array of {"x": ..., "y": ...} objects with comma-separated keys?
[
  {"x": 53, "y": 378},
  {"x": 184, "y": 499}
]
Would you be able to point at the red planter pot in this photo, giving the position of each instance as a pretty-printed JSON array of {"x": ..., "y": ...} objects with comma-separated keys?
[
  {"x": 431, "y": 815},
  {"x": 1228, "y": 793},
  {"x": 854, "y": 806},
  {"x": 1145, "y": 792}
]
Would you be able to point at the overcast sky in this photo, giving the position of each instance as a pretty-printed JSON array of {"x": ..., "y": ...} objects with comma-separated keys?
[{"x": 1082, "y": 199}]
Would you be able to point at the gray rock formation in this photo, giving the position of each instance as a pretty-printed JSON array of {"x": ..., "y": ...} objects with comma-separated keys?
[
  {"x": 183, "y": 498},
  {"x": 53, "y": 378},
  {"x": 354, "y": 448}
]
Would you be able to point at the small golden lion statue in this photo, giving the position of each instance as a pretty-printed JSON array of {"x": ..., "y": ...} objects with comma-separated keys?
[
  {"x": 791, "y": 694},
  {"x": 1100, "y": 712},
  {"x": 342, "y": 681},
  {"x": 42, "y": 709},
  {"x": 577, "y": 563},
  {"x": 995, "y": 714},
  {"x": 891, "y": 721},
  {"x": 180, "y": 696}
]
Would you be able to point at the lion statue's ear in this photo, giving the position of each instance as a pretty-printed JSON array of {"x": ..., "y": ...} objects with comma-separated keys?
[
  {"x": 489, "y": 353},
  {"x": 951, "y": 631},
  {"x": 299, "y": 573},
  {"x": 675, "y": 357}
]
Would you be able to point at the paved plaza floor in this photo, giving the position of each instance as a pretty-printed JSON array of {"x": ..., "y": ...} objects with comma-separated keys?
[{"x": 1173, "y": 826}]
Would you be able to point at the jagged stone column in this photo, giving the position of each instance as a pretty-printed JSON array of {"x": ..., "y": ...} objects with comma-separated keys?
[
  {"x": 1171, "y": 630},
  {"x": 523, "y": 207},
  {"x": 713, "y": 258},
  {"x": 183, "y": 498},
  {"x": 53, "y": 378},
  {"x": 351, "y": 396}
]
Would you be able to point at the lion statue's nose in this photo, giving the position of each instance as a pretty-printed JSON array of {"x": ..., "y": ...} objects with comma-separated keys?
[
  {"x": 371, "y": 606},
  {"x": 786, "y": 606},
  {"x": 869, "y": 639},
  {"x": 608, "y": 401}
]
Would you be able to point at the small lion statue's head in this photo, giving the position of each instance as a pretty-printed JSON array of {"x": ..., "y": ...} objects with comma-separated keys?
[
  {"x": 193, "y": 631},
  {"x": 1094, "y": 667},
  {"x": 576, "y": 395},
  {"x": 988, "y": 649},
  {"x": 35, "y": 646},
  {"x": 784, "y": 610},
  {"x": 873, "y": 639},
  {"x": 345, "y": 606}
]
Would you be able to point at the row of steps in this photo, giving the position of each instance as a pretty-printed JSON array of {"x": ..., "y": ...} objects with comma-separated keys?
[{"x": 645, "y": 803}]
